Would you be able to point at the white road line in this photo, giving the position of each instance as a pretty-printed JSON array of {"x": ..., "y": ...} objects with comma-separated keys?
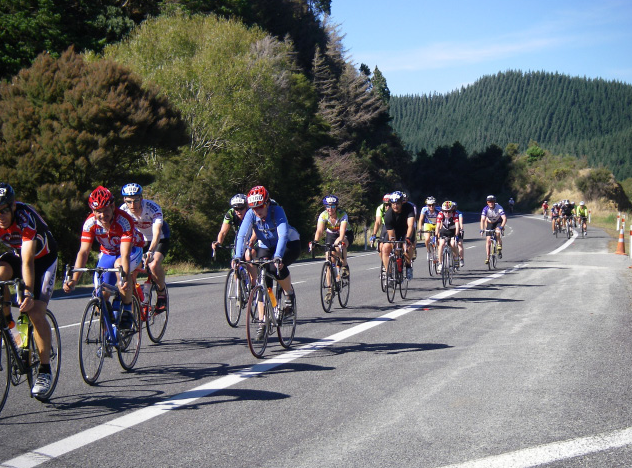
[
  {"x": 566, "y": 244},
  {"x": 549, "y": 453},
  {"x": 81, "y": 439}
]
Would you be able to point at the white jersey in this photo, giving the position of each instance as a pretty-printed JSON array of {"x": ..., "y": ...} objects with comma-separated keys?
[{"x": 151, "y": 214}]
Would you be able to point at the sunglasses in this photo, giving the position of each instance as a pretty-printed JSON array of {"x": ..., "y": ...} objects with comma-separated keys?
[
  {"x": 131, "y": 202},
  {"x": 5, "y": 210}
]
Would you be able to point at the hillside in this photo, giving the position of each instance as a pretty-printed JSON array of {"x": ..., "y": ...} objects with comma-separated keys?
[{"x": 576, "y": 116}]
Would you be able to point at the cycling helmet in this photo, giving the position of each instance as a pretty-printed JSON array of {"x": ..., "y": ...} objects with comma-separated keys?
[
  {"x": 100, "y": 198},
  {"x": 491, "y": 198},
  {"x": 397, "y": 196},
  {"x": 545, "y": 201},
  {"x": 447, "y": 206},
  {"x": 404, "y": 197},
  {"x": 386, "y": 198},
  {"x": 131, "y": 190},
  {"x": 258, "y": 196},
  {"x": 431, "y": 201},
  {"x": 7, "y": 195},
  {"x": 581, "y": 203},
  {"x": 330, "y": 200},
  {"x": 239, "y": 201}
]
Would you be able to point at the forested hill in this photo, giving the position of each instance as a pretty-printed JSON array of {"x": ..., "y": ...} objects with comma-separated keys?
[{"x": 578, "y": 116}]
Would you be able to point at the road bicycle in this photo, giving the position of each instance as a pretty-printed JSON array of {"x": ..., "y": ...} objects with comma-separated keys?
[
  {"x": 20, "y": 357},
  {"x": 100, "y": 330},
  {"x": 558, "y": 226},
  {"x": 332, "y": 283},
  {"x": 395, "y": 271},
  {"x": 546, "y": 214},
  {"x": 432, "y": 257},
  {"x": 584, "y": 229},
  {"x": 450, "y": 262},
  {"x": 236, "y": 291},
  {"x": 568, "y": 222},
  {"x": 147, "y": 296},
  {"x": 274, "y": 315},
  {"x": 493, "y": 249}
]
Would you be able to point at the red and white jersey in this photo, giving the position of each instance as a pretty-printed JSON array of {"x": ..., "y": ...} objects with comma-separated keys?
[
  {"x": 28, "y": 225},
  {"x": 151, "y": 214},
  {"x": 545, "y": 206},
  {"x": 121, "y": 230},
  {"x": 448, "y": 219}
]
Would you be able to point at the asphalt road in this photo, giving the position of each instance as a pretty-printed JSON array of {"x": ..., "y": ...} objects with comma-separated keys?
[{"x": 524, "y": 366}]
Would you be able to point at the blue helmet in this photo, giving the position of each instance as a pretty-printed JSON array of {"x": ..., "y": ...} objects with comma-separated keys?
[
  {"x": 7, "y": 195},
  {"x": 330, "y": 200},
  {"x": 397, "y": 196},
  {"x": 131, "y": 190}
]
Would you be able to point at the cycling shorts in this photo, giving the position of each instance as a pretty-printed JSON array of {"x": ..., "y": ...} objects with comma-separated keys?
[
  {"x": 162, "y": 246},
  {"x": 331, "y": 237},
  {"x": 447, "y": 232},
  {"x": 45, "y": 271},
  {"x": 292, "y": 252},
  {"x": 429, "y": 227},
  {"x": 107, "y": 261},
  {"x": 491, "y": 226}
]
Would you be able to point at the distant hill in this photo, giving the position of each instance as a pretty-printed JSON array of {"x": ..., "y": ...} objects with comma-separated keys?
[{"x": 576, "y": 116}]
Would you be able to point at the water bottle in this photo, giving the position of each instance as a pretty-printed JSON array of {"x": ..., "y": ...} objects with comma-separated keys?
[
  {"x": 272, "y": 298},
  {"x": 23, "y": 330},
  {"x": 400, "y": 263},
  {"x": 146, "y": 290}
]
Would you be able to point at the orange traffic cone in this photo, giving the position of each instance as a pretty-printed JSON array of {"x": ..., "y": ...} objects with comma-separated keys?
[{"x": 621, "y": 244}]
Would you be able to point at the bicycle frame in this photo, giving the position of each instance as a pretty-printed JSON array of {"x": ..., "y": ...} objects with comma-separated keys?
[{"x": 15, "y": 350}]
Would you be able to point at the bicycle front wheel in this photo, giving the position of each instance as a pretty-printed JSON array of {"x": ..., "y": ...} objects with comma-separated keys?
[
  {"x": 157, "y": 320},
  {"x": 91, "y": 342},
  {"x": 391, "y": 279},
  {"x": 129, "y": 339},
  {"x": 382, "y": 276},
  {"x": 345, "y": 287},
  {"x": 286, "y": 323},
  {"x": 55, "y": 356},
  {"x": 231, "y": 298},
  {"x": 452, "y": 268},
  {"x": 445, "y": 266},
  {"x": 403, "y": 285},
  {"x": 5, "y": 369},
  {"x": 327, "y": 289},
  {"x": 432, "y": 264},
  {"x": 493, "y": 261},
  {"x": 257, "y": 340}
]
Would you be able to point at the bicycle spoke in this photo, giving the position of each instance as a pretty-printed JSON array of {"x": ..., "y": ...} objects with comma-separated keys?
[
  {"x": 157, "y": 320},
  {"x": 256, "y": 341},
  {"x": 130, "y": 338},
  {"x": 5, "y": 369},
  {"x": 91, "y": 343}
]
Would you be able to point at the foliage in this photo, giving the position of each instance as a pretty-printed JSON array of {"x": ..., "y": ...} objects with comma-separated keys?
[
  {"x": 597, "y": 183},
  {"x": 67, "y": 126}
]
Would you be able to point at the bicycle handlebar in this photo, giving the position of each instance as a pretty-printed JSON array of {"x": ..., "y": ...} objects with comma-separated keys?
[
  {"x": 19, "y": 287},
  {"x": 99, "y": 270}
]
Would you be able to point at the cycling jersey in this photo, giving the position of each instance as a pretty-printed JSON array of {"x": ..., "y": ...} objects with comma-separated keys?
[
  {"x": 448, "y": 220},
  {"x": 381, "y": 211},
  {"x": 399, "y": 221},
  {"x": 567, "y": 210},
  {"x": 545, "y": 206},
  {"x": 429, "y": 216},
  {"x": 334, "y": 227},
  {"x": 273, "y": 233},
  {"x": 582, "y": 213},
  {"x": 151, "y": 215},
  {"x": 121, "y": 230},
  {"x": 493, "y": 214},
  {"x": 555, "y": 212},
  {"x": 28, "y": 225}
]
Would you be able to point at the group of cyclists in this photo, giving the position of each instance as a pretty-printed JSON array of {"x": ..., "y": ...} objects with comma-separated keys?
[{"x": 565, "y": 215}]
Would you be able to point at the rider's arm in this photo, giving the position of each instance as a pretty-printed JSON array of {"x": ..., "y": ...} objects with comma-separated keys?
[
  {"x": 282, "y": 231},
  {"x": 222, "y": 234},
  {"x": 378, "y": 223},
  {"x": 343, "y": 230},
  {"x": 27, "y": 252},
  {"x": 156, "y": 230},
  {"x": 482, "y": 223},
  {"x": 126, "y": 250},
  {"x": 504, "y": 218},
  {"x": 246, "y": 224},
  {"x": 410, "y": 233}
]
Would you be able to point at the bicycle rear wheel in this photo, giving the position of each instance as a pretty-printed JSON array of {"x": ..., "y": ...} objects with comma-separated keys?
[
  {"x": 382, "y": 276},
  {"x": 257, "y": 342},
  {"x": 432, "y": 266},
  {"x": 231, "y": 299},
  {"x": 91, "y": 342},
  {"x": 55, "y": 357},
  {"x": 452, "y": 269},
  {"x": 403, "y": 285},
  {"x": 327, "y": 291},
  {"x": 391, "y": 279},
  {"x": 157, "y": 321},
  {"x": 287, "y": 323},
  {"x": 129, "y": 339},
  {"x": 345, "y": 287},
  {"x": 5, "y": 369},
  {"x": 445, "y": 266}
]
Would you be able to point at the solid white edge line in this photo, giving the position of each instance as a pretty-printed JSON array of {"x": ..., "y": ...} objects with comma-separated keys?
[{"x": 86, "y": 437}]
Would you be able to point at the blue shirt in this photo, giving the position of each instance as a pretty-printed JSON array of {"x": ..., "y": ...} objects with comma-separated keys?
[{"x": 273, "y": 233}]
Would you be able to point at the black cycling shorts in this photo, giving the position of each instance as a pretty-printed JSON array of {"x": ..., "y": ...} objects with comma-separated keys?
[
  {"x": 331, "y": 237},
  {"x": 162, "y": 246},
  {"x": 45, "y": 272},
  {"x": 292, "y": 252}
]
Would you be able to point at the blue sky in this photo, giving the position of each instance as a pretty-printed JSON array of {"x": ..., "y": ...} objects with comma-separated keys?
[{"x": 423, "y": 46}]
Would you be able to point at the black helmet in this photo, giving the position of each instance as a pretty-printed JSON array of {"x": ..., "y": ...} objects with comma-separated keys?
[{"x": 7, "y": 195}]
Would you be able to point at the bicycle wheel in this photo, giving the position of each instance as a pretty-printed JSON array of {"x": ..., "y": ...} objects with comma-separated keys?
[
  {"x": 452, "y": 268},
  {"x": 286, "y": 323},
  {"x": 445, "y": 266},
  {"x": 231, "y": 299},
  {"x": 157, "y": 321},
  {"x": 432, "y": 266},
  {"x": 345, "y": 287},
  {"x": 327, "y": 287},
  {"x": 391, "y": 279},
  {"x": 494, "y": 255},
  {"x": 257, "y": 343},
  {"x": 55, "y": 357},
  {"x": 569, "y": 231},
  {"x": 382, "y": 276},
  {"x": 91, "y": 342},
  {"x": 5, "y": 369},
  {"x": 129, "y": 339},
  {"x": 403, "y": 285},
  {"x": 556, "y": 230}
]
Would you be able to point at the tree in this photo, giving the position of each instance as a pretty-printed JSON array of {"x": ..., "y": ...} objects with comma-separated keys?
[
  {"x": 68, "y": 125},
  {"x": 380, "y": 87}
]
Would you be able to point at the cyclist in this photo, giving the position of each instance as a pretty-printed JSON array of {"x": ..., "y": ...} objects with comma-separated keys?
[
  {"x": 34, "y": 259},
  {"x": 582, "y": 214},
  {"x": 121, "y": 245},
  {"x": 567, "y": 214},
  {"x": 511, "y": 204},
  {"x": 277, "y": 239},
  {"x": 545, "y": 208},
  {"x": 428, "y": 221},
  {"x": 555, "y": 216},
  {"x": 379, "y": 220},
  {"x": 399, "y": 222},
  {"x": 335, "y": 223},
  {"x": 493, "y": 217},
  {"x": 149, "y": 221},
  {"x": 460, "y": 235},
  {"x": 448, "y": 227},
  {"x": 405, "y": 196}
]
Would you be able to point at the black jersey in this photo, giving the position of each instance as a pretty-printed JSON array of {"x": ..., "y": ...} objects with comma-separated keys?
[{"x": 399, "y": 221}]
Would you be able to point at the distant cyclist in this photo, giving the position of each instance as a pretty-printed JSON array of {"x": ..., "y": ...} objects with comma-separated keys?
[
  {"x": 555, "y": 216},
  {"x": 428, "y": 221},
  {"x": 545, "y": 209},
  {"x": 399, "y": 221},
  {"x": 335, "y": 224},
  {"x": 461, "y": 234},
  {"x": 493, "y": 218},
  {"x": 582, "y": 215},
  {"x": 379, "y": 220},
  {"x": 150, "y": 222},
  {"x": 511, "y": 203},
  {"x": 447, "y": 228},
  {"x": 567, "y": 214}
]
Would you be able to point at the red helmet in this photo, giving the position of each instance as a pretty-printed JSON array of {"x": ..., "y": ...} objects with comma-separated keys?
[
  {"x": 386, "y": 198},
  {"x": 100, "y": 198},
  {"x": 257, "y": 196}
]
